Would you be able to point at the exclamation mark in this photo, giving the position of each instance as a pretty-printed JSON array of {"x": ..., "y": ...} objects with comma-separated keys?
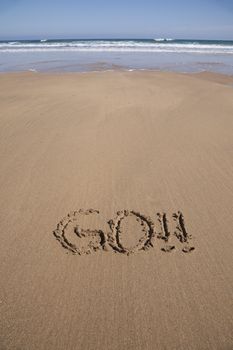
[
  {"x": 164, "y": 234},
  {"x": 181, "y": 232}
]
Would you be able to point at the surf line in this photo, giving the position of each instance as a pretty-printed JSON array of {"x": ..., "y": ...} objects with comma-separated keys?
[{"x": 93, "y": 240}]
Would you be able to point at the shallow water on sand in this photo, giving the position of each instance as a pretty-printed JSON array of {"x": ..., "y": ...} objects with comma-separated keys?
[{"x": 75, "y": 61}]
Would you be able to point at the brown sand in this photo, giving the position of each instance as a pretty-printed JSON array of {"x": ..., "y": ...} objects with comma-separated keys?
[{"x": 148, "y": 142}]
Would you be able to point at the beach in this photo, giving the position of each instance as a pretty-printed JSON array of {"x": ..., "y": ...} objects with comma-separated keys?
[{"x": 116, "y": 211}]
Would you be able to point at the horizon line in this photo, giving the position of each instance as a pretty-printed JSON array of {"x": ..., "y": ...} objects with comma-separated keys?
[{"x": 110, "y": 38}]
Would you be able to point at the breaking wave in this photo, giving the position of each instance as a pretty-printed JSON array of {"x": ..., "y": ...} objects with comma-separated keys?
[{"x": 156, "y": 45}]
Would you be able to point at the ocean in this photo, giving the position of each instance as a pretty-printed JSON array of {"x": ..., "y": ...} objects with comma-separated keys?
[{"x": 101, "y": 54}]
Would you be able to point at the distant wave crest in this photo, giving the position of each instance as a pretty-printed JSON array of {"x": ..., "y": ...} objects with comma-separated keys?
[
  {"x": 155, "y": 45},
  {"x": 163, "y": 39}
]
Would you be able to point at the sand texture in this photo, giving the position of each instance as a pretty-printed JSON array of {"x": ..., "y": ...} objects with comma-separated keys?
[{"x": 116, "y": 197}]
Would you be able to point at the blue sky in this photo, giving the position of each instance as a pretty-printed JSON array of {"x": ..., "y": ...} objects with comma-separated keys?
[{"x": 201, "y": 19}]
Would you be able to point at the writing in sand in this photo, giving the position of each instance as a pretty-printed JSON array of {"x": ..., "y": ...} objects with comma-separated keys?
[{"x": 78, "y": 240}]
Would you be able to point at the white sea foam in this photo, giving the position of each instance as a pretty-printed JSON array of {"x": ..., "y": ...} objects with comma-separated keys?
[
  {"x": 156, "y": 45},
  {"x": 163, "y": 39}
]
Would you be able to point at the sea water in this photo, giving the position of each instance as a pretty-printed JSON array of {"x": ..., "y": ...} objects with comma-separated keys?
[{"x": 76, "y": 55}]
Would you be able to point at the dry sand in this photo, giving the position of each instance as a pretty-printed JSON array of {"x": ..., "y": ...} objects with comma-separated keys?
[{"x": 147, "y": 142}]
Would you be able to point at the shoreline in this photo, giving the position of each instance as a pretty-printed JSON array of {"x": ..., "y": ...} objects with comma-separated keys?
[
  {"x": 78, "y": 61},
  {"x": 129, "y": 70},
  {"x": 226, "y": 79}
]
